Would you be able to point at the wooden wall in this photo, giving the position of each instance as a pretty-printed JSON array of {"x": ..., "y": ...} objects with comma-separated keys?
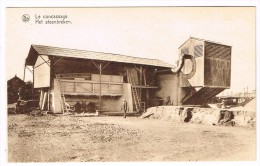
[
  {"x": 196, "y": 49},
  {"x": 107, "y": 78},
  {"x": 217, "y": 65},
  {"x": 109, "y": 103},
  {"x": 41, "y": 73},
  {"x": 91, "y": 87}
]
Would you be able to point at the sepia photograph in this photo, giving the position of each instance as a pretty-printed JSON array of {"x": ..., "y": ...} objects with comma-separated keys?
[{"x": 130, "y": 84}]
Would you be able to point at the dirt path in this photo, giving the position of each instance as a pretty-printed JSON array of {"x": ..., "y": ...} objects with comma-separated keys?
[{"x": 67, "y": 138}]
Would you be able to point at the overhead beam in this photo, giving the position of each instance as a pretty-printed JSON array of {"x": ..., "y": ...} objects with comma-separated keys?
[
  {"x": 24, "y": 71},
  {"x": 29, "y": 69},
  {"x": 45, "y": 60},
  {"x": 105, "y": 66},
  {"x": 58, "y": 61}
]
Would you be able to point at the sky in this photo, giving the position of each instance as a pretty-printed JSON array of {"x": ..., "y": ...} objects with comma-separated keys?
[{"x": 148, "y": 32}]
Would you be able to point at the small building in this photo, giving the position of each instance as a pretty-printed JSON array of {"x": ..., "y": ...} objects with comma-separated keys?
[
  {"x": 14, "y": 88},
  {"x": 69, "y": 76}
]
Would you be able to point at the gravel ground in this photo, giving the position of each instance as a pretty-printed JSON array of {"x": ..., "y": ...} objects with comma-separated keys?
[{"x": 84, "y": 139}]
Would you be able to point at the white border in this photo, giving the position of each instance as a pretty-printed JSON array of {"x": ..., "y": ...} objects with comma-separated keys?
[{"x": 110, "y": 3}]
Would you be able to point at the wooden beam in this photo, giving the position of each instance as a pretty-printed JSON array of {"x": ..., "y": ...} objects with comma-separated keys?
[
  {"x": 141, "y": 82},
  {"x": 91, "y": 94},
  {"x": 144, "y": 75},
  {"x": 45, "y": 60},
  {"x": 95, "y": 64},
  {"x": 42, "y": 64},
  {"x": 86, "y": 88},
  {"x": 48, "y": 101},
  {"x": 29, "y": 69},
  {"x": 137, "y": 68},
  {"x": 99, "y": 67},
  {"x": 105, "y": 66},
  {"x": 144, "y": 79},
  {"x": 100, "y": 72},
  {"x": 41, "y": 98},
  {"x": 44, "y": 100},
  {"x": 24, "y": 71},
  {"x": 57, "y": 61},
  {"x": 141, "y": 75}
]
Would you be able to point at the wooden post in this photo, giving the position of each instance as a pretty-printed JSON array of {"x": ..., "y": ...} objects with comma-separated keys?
[
  {"x": 141, "y": 80},
  {"x": 24, "y": 72},
  {"x": 147, "y": 97},
  {"x": 144, "y": 79},
  {"x": 44, "y": 100},
  {"x": 74, "y": 86},
  {"x": 100, "y": 70},
  {"x": 41, "y": 98},
  {"x": 93, "y": 89},
  {"x": 48, "y": 101}
]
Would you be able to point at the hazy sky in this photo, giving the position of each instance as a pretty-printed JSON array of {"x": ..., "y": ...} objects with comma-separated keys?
[{"x": 150, "y": 32}]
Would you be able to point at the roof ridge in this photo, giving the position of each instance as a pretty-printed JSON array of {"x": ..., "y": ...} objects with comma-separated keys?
[
  {"x": 97, "y": 52},
  {"x": 204, "y": 40},
  {"x": 94, "y": 55}
]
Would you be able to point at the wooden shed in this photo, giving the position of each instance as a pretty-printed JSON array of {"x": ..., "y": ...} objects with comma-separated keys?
[
  {"x": 69, "y": 76},
  {"x": 14, "y": 86}
]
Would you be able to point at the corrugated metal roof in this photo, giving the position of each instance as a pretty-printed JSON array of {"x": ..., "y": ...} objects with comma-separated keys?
[{"x": 74, "y": 53}]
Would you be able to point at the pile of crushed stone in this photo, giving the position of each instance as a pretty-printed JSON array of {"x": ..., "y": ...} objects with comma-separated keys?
[{"x": 197, "y": 115}]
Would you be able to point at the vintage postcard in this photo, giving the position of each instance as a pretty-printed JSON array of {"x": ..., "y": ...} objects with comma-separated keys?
[{"x": 130, "y": 84}]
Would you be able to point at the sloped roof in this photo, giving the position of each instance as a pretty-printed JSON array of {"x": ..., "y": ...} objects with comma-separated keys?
[
  {"x": 204, "y": 40},
  {"x": 16, "y": 79},
  {"x": 15, "y": 83},
  {"x": 36, "y": 50}
]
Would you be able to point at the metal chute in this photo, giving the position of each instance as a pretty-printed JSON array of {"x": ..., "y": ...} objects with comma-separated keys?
[{"x": 181, "y": 64}]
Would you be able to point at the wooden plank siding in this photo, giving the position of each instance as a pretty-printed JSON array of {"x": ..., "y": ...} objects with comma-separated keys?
[
  {"x": 89, "y": 84},
  {"x": 77, "y": 87},
  {"x": 217, "y": 65}
]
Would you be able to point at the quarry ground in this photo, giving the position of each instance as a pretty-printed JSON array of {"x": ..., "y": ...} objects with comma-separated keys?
[{"x": 81, "y": 139}]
